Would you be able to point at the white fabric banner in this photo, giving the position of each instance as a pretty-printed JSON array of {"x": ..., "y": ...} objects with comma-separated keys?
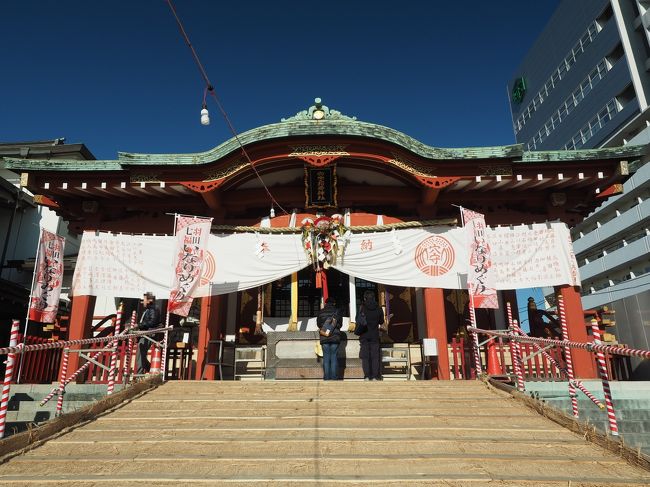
[
  {"x": 533, "y": 256},
  {"x": 123, "y": 265},
  {"x": 46, "y": 290},
  {"x": 480, "y": 272},
  {"x": 525, "y": 256},
  {"x": 246, "y": 260},
  {"x": 192, "y": 234},
  {"x": 414, "y": 257}
]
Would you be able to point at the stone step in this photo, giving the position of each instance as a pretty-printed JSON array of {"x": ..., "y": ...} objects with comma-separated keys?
[
  {"x": 116, "y": 431},
  {"x": 166, "y": 401},
  {"x": 408, "y": 387},
  {"x": 152, "y": 419},
  {"x": 624, "y": 426},
  {"x": 225, "y": 448},
  {"x": 68, "y": 405},
  {"x": 334, "y": 410},
  {"x": 585, "y": 405},
  {"x": 492, "y": 465},
  {"x": 446, "y": 479}
]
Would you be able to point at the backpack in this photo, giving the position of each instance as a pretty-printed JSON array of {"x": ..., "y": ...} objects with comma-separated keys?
[
  {"x": 328, "y": 327},
  {"x": 361, "y": 323}
]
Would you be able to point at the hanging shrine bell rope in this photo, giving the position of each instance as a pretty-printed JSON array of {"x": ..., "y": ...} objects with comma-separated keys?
[
  {"x": 209, "y": 88},
  {"x": 359, "y": 228}
]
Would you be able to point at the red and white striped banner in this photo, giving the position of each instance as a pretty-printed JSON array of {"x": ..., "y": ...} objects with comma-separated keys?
[
  {"x": 191, "y": 241},
  {"x": 44, "y": 302},
  {"x": 480, "y": 275}
]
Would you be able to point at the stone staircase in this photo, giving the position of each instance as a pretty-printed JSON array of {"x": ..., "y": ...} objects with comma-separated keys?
[
  {"x": 631, "y": 404},
  {"x": 24, "y": 407},
  {"x": 311, "y": 433}
]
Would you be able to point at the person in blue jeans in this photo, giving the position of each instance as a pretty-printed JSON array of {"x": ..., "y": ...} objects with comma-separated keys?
[
  {"x": 370, "y": 340},
  {"x": 329, "y": 325}
]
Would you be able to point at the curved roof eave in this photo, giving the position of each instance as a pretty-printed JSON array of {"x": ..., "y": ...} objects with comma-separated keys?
[
  {"x": 307, "y": 128},
  {"x": 586, "y": 154}
]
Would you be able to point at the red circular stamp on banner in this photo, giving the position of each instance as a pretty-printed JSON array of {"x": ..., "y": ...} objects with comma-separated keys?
[
  {"x": 435, "y": 256},
  {"x": 209, "y": 268}
]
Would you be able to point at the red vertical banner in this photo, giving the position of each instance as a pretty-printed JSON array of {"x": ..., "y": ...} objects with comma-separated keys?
[
  {"x": 48, "y": 278},
  {"x": 480, "y": 276},
  {"x": 191, "y": 240}
]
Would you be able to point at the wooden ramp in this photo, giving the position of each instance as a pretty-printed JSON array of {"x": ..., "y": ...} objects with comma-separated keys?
[{"x": 320, "y": 433}]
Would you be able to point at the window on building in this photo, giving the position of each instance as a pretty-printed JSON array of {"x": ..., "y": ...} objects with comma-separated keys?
[{"x": 604, "y": 17}]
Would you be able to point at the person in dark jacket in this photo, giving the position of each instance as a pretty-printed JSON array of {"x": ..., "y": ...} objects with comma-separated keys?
[
  {"x": 149, "y": 319},
  {"x": 329, "y": 325},
  {"x": 369, "y": 340}
]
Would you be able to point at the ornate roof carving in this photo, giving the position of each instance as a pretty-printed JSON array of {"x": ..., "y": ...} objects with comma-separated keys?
[{"x": 318, "y": 112}]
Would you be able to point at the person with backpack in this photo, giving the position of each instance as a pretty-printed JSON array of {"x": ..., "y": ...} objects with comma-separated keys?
[
  {"x": 373, "y": 316},
  {"x": 329, "y": 326},
  {"x": 149, "y": 320}
]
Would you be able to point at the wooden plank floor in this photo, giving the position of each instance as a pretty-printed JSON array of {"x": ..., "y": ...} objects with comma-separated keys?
[{"x": 317, "y": 433}]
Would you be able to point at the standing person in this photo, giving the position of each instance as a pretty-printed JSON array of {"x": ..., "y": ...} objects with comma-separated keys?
[
  {"x": 329, "y": 325},
  {"x": 369, "y": 339},
  {"x": 149, "y": 319}
]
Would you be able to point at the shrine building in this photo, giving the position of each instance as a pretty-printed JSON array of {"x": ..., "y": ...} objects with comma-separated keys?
[{"x": 323, "y": 162}]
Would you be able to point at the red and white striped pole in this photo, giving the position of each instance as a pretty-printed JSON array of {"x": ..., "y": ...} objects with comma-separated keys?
[
  {"x": 64, "y": 373},
  {"x": 126, "y": 369},
  {"x": 567, "y": 356},
  {"x": 515, "y": 349},
  {"x": 509, "y": 311},
  {"x": 515, "y": 352},
  {"x": 163, "y": 359},
  {"x": 604, "y": 376},
  {"x": 586, "y": 392},
  {"x": 9, "y": 372},
  {"x": 113, "y": 369},
  {"x": 563, "y": 371}
]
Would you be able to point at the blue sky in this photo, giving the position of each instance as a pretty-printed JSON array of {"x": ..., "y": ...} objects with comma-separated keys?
[{"x": 117, "y": 76}]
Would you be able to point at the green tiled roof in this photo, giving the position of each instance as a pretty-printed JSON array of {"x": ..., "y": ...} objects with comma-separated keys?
[
  {"x": 587, "y": 154},
  {"x": 60, "y": 164},
  {"x": 308, "y": 128},
  {"x": 344, "y": 127}
]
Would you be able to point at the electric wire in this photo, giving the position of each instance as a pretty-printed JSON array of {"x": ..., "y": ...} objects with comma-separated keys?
[{"x": 210, "y": 89}]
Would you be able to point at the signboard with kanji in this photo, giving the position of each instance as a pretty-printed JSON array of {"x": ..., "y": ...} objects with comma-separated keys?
[{"x": 320, "y": 187}]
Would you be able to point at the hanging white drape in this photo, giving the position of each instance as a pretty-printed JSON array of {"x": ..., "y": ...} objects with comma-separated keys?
[{"x": 525, "y": 256}]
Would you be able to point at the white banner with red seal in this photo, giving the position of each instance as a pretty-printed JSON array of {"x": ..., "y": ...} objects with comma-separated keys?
[
  {"x": 192, "y": 234},
  {"x": 48, "y": 278},
  {"x": 431, "y": 257}
]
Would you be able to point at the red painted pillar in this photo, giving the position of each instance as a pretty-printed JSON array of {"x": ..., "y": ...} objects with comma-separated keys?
[
  {"x": 209, "y": 329},
  {"x": 584, "y": 366},
  {"x": 81, "y": 319},
  {"x": 434, "y": 307}
]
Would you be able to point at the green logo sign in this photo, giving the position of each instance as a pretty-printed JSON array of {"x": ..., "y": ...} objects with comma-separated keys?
[{"x": 519, "y": 90}]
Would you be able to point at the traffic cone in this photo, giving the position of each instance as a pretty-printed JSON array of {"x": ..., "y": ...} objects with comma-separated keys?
[
  {"x": 493, "y": 364},
  {"x": 155, "y": 361}
]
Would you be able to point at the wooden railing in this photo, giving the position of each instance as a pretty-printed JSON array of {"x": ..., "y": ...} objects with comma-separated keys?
[
  {"x": 41, "y": 367},
  {"x": 536, "y": 366}
]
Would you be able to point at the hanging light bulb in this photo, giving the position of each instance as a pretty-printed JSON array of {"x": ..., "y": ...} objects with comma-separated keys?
[
  {"x": 272, "y": 212},
  {"x": 205, "y": 116}
]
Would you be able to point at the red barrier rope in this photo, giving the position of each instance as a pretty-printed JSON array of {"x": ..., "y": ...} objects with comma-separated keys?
[
  {"x": 591, "y": 347},
  {"x": 85, "y": 341}
]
